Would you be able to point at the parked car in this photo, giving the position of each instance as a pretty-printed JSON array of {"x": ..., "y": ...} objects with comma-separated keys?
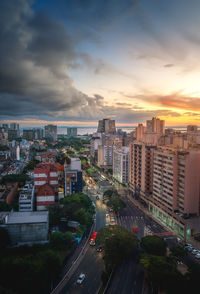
[{"x": 81, "y": 278}]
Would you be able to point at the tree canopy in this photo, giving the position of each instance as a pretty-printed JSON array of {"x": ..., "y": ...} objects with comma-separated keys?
[
  {"x": 162, "y": 273},
  {"x": 4, "y": 238},
  {"x": 154, "y": 245},
  {"x": 178, "y": 251},
  {"x": 118, "y": 244}
]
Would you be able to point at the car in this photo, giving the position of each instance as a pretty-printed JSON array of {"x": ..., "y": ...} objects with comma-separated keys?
[
  {"x": 81, "y": 278},
  {"x": 197, "y": 255},
  {"x": 179, "y": 262},
  {"x": 99, "y": 248},
  {"x": 97, "y": 197},
  {"x": 194, "y": 251}
]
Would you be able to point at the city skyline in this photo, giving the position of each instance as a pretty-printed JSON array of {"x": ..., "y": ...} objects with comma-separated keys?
[{"x": 74, "y": 62}]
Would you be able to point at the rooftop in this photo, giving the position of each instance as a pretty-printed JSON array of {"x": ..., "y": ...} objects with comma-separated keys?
[{"x": 24, "y": 217}]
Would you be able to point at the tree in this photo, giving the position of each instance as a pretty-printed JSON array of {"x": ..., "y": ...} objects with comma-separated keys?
[
  {"x": 4, "y": 238},
  {"x": 154, "y": 245},
  {"x": 59, "y": 240},
  {"x": 178, "y": 251},
  {"x": 116, "y": 204},
  {"x": 83, "y": 217},
  {"x": 110, "y": 193},
  {"x": 118, "y": 244},
  {"x": 162, "y": 273},
  {"x": 14, "y": 178},
  {"x": 30, "y": 166}
]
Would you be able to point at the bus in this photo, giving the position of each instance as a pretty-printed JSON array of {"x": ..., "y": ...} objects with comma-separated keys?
[{"x": 93, "y": 239}]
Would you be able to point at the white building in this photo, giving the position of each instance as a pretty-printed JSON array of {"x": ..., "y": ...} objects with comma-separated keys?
[
  {"x": 75, "y": 164},
  {"x": 26, "y": 198},
  {"x": 121, "y": 165}
]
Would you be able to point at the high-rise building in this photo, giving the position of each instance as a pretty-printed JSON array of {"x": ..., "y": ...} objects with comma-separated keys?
[
  {"x": 106, "y": 126},
  {"x": 105, "y": 155},
  {"x": 28, "y": 135},
  {"x": 176, "y": 186},
  {"x": 5, "y": 127},
  {"x": 155, "y": 125},
  {"x": 73, "y": 177},
  {"x": 192, "y": 128},
  {"x": 72, "y": 132},
  {"x": 51, "y": 132},
  {"x": 13, "y": 134},
  {"x": 121, "y": 165},
  {"x": 94, "y": 143},
  {"x": 140, "y": 169},
  {"x": 139, "y": 131},
  {"x": 14, "y": 126}
]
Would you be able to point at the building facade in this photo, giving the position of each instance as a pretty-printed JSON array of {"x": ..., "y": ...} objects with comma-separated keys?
[
  {"x": 51, "y": 132},
  {"x": 121, "y": 165}
]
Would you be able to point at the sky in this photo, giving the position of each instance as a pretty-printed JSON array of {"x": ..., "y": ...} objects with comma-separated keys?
[{"x": 73, "y": 62}]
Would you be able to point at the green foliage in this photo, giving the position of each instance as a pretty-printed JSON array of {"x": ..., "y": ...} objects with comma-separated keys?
[
  {"x": 4, "y": 148},
  {"x": 5, "y": 206},
  {"x": 162, "y": 273},
  {"x": 4, "y": 238},
  {"x": 83, "y": 217},
  {"x": 79, "y": 207},
  {"x": 31, "y": 165},
  {"x": 110, "y": 193},
  {"x": 154, "y": 245},
  {"x": 62, "y": 158},
  {"x": 15, "y": 178},
  {"x": 116, "y": 203},
  {"x": 178, "y": 251},
  {"x": 118, "y": 244},
  {"x": 37, "y": 267},
  {"x": 61, "y": 241},
  {"x": 90, "y": 171}
]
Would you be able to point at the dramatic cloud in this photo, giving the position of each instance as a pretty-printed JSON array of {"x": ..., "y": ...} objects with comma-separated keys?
[{"x": 35, "y": 54}]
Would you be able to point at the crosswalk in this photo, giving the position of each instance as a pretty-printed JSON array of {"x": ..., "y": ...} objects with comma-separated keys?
[{"x": 129, "y": 222}]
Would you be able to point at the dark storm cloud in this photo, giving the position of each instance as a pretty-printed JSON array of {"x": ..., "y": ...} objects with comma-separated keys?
[{"x": 35, "y": 54}]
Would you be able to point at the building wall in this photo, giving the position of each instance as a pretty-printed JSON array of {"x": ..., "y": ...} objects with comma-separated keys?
[{"x": 22, "y": 233}]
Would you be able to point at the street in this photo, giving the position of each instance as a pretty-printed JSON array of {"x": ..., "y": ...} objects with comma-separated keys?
[{"x": 92, "y": 263}]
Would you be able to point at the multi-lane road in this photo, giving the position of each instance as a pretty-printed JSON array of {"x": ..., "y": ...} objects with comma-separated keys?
[{"x": 92, "y": 263}]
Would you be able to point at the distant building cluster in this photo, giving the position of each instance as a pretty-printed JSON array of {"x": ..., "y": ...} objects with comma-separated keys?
[
  {"x": 49, "y": 179},
  {"x": 161, "y": 167}
]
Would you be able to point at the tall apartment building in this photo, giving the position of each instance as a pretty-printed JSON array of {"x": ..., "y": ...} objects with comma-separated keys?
[
  {"x": 51, "y": 132},
  {"x": 105, "y": 155},
  {"x": 72, "y": 132},
  {"x": 28, "y": 135},
  {"x": 73, "y": 177},
  {"x": 94, "y": 143},
  {"x": 140, "y": 170},
  {"x": 14, "y": 126},
  {"x": 176, "y": 186},
  {"x": 139, "y": 132},
  {"x": 155, "y": 125},
  {"x": 33, "y": 134},
  {"x": 121, "y": 165},
  {"x": 106, "y": 126}
]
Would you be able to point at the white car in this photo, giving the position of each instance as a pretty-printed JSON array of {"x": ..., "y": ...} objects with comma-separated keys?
[
  {"x": 194, "y": 251},
  {"x": 197, "y": 255},
  {"x": 80, "y": 279}
]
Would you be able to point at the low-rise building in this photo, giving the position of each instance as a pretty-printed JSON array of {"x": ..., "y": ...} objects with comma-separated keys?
[{"x": 26, "y": 227}]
